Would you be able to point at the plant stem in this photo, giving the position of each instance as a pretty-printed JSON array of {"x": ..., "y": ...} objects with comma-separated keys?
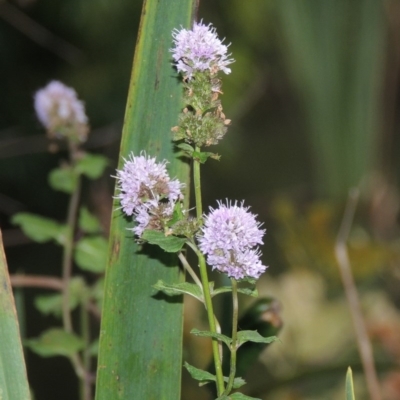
[
  {"x": 364, "y": 344},
  {"x": 204, "y": 280},
  {"x": 66, "y": 277},
  {"x": 233, "y": 349},
  {"x": 189, "y": 269}
]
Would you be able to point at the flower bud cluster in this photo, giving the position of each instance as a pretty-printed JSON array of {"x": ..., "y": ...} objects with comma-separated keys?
[
  {"x": 61, "y": 113},
  {"x": 229, "y": 238},
  {"x": 147, "y": 193},
  {"x": 199, "y": 55}
]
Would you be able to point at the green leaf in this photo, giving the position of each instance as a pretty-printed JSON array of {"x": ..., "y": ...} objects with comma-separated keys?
[
  {"x": 40, "y": 229},
  {"x": 88, "y": 222},
  {"x": 180, "y": 288},
  {"x": 55, "y": 342},
  {"x": 141, "y": 336},
  {"x": 253, "y": 336},
  {"x": 218, "y": 336},
  {"x": 349, "y": 385},
  {"x": 170, "y": 244},
  {"x": 204, "y": 155},
  {"x": 177, "y": 215},
  {"x": 94, "y": 348},
  {"x": 51, "y": 304},
  {"x": 91, "y": 253},
  {"x": 187, "y": 148},
  {"x": 91, "y": 165},
  {"x": 64, "y": 179},
  {"x": 13, "y": 377},
  {"x": 203, "y": 377},
  {"x": 241, "y": 396},
  {"x": 237, "y": 382},
  {"x": 224, "y": 289}
]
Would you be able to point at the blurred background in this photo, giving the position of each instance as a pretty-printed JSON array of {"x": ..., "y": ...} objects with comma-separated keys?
[{"x": 313, "y": 98}]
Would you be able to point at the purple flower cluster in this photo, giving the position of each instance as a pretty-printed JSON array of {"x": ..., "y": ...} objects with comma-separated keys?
[
  {"x": 199, "y": 49},
  {"x": 229, "y": 238},
  {"x": 58, "y": 109},
  {"x": 147, "y": 192}
]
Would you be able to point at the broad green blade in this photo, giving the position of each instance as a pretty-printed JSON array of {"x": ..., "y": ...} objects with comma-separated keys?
[
  {"x": 349, "y": 385},
  {"x": 13, "y": 378},
  {"x": 141, "y": 333}
]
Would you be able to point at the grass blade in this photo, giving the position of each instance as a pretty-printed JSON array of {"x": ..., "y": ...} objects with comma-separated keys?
[
  {"x": 13, "y": 378},
  {"x": 141, "y": 331}
]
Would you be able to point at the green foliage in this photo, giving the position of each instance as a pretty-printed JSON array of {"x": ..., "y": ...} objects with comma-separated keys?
[
  {"x": 205, "y": 377},
  {"x": 40, "y": 229},
  {"x": 91, "y": 253},
  {"x": 218, "y": 336},
  {"x": 180, "y": 288},
  {"x": 237, "y": 396},
  {"x": 51, "y": 304},
  {"x": 13, "y": 378},
  {"x": 88, "y": 222},
  {"x": 64, "y": 179},
  {"x": 55, "y": 342},
  {"x": 253, "y": 336},
  {"x": 91, "y": 165},
  {"x": 203, "y": 156},
  {"x": 226, "y": 289},
  {"x": 349, "y": 385},
  {"x": 170, "y": 244}
]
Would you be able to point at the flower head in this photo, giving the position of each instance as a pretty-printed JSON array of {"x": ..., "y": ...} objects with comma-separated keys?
[
  {"x": 147, "y": 192},
  {"x": 61, "y": 113},
  {"x": 228, "y": 238},
  {"x": 199, "y": 49}
]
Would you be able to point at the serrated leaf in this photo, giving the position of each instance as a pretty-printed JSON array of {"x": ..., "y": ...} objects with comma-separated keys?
[
  {"x": 64, "y": 179},
  {"x": 203, "y": 377},
  {"x": 253, "y": 336},
  {"x": 170, "y": 244},
  {"x": 225, "y": 289},
  {"x": 55, "y": 342},
  {"x": 91, "y": 253},
  {"x": 180, "y": 288},
  {"x": 218, "y": 336},
  {"x": 40, "y": 229},
  {"x": 52, "y": 304},
  {"x": 91, "y": 165},
  {"x": 349, "y": 385},
  {"x": 88, "y": 222},
  {"x": 237, "y": 382}
]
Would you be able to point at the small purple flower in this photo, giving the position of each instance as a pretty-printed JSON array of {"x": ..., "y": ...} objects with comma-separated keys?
[
  {"x": 228, "y": 238},
  {"x": 58, "y": 108},
  {"x": 147, "y": 192},
  {"x": 199, "y": 49}
]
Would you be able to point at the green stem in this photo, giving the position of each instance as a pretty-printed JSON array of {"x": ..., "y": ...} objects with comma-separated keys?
[
  {"x": 205, "y": 282},
  {"x": 189, "y": 269},
  {"x": 233, "y": 349}
]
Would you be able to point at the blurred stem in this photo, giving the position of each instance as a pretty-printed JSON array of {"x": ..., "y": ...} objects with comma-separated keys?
[
  {"x": 189, "y": 269},
  {"x": 86, "y": 386},
  {"x": 342, "y": 257},
  {"x": 204, "y": 279},
  {"x": 235, "y": 306}
]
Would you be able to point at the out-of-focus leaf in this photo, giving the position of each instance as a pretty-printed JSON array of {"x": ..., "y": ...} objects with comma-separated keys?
[
  {"x": 64, "y": 179},
  {"x": 91, "y": 253},
  {"x": 40, "y": 229},
  {"x": 55, "y": 342},
  {"x": 88, "y": 222},
  {"x": 13, "y": 378},
  {"x": 227, "y": 340},
  {"x": 91, "y": 165},
  {"x": 52, "y": 303}
]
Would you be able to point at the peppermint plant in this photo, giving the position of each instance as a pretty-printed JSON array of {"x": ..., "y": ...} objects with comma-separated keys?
[
  {"x": 227, "y": 237},
  {"x": 63, "y": 116}
]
